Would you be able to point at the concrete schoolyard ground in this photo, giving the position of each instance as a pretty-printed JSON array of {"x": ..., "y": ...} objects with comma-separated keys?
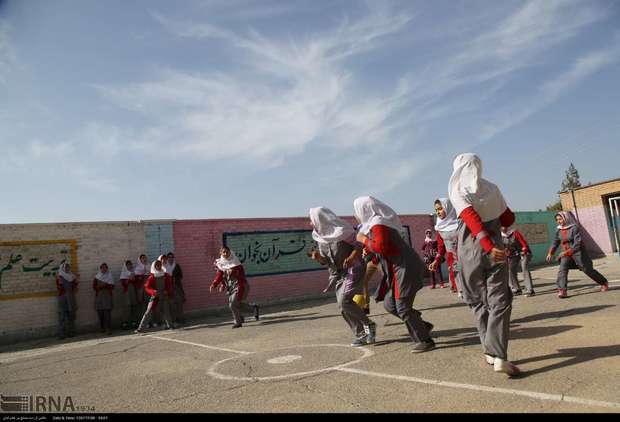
[{"x": 297, "y": 358}]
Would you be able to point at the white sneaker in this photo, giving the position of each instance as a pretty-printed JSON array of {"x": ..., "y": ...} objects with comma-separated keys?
[
  {"x": 460, "y": 295},
  {"x": 506, "y": 367},
  {"x": 490, "y": 359}
]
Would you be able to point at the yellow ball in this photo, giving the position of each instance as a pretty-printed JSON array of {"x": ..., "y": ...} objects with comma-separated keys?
[{"x": 360, "y": 301}]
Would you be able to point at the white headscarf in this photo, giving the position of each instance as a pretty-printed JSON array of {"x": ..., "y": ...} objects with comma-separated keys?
[
  {"x": 140, "y": 268},
  {"x": 125, "y": 273},
  {"x": 62, "y": 272},
  {"x": 223, "y": 264},
  {"x": 569, "y": 220},
  {"x": 105, "y": 277},
  {"x": 328, "y": 227},
  {"x": 428, "y": 236},
  {"x": 451, "y": 221},
  {"x": 371, "y": 212},
  {"x": 155, "y": 272},
  {"x": 468, "y": 188}
]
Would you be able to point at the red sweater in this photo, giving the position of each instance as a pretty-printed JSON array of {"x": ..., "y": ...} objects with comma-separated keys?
[
  {"x": 150, "y": 287},
  {"x": 380, "y": 242},
  {"x": 524, "y": 246},
  {"x": 471, "y": 218},
  {"x": 237, "y": 272}
]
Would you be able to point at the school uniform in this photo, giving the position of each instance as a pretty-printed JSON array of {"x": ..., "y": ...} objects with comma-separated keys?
[
  {"x": 66, "y": 284},
  {"x": 519, "y": 254},
  {"x": 336, "y": 240},
  {"x": 429, "y": 253},
  {"x": 141, "y": 272},
  {"x": 568, "y": 237},
  {"x": 403, "y": 269},
  {"x": 130, "y": 296},
  {"x": 103, "y": 285},
  {"x": 482, "y": 211},
  {"x": 231, "y": 274},
  {"x": 159, "y": 286},
  {"x": 446, "y": 235},
  {"x": 179, "y": 293}
]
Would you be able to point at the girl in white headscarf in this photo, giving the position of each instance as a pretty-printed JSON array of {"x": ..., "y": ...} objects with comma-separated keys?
[
  {"x": 103, "y": 285},
  {"x": 446, "y": 229},
  {"x": 130, "y": 293},
  {"x": 339, "y": 250},
  {"x": 403, "y": 269},
  {"x": 67, "y": 284},
  {"x": 573, "y": 254},
  {"x": 230, "y": 276},
  {"x": 141, "y": 272},
  {"x": 481, "y": 206}
]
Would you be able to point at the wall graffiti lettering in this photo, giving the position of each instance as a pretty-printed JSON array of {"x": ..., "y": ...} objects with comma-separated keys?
[{"x": 27, "y": 267}]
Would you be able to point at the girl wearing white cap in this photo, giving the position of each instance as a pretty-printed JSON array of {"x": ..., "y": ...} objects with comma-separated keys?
[
  {"x": 482, "y": 210},
  {"x": 573, "y": 254},
  {"x": 403, "y": 269},
  {"x": 339, "y": 250}
]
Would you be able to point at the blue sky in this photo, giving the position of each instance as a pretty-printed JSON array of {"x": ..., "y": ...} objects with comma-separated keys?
[{"x": 117, "y": 110}]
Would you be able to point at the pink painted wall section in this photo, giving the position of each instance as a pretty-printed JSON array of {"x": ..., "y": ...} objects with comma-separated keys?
[
  {"x": 595, "y": 232},
  {"x": 197, "y": 244}
]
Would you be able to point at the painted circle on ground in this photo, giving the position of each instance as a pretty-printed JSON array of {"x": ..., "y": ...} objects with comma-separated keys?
[
  {"x": 288, "y": 362},
  {"x": 284, "y": 359}
]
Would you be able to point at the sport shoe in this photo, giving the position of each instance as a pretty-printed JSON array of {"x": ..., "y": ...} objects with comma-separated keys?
[
  {"x": 429, "y": 326},
  {"x": 460, "y": 295},
  {"x": 501, "y": 365},
  {"x": 517, "y": 292},
  {"x": 604, "y": 287},
  {"x": 138, "y": 331},
  {"x": 359, "y": 342},
  {"x": 236, "y": 326},
  {"x": 529, "y": 293},
  {"x": 489, "y": 359},
  {"x": 371, "y": 333},
  {"x": 424, "y": 346},
  {"x": 432, "y": 286},
  {"x": 256, "y": 312},
  {"x": 562, "y": 293},
  {"x": 442, "y": 286}
]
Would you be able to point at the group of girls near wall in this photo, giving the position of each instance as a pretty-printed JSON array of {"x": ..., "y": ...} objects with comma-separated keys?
[{"x": 139, "y": 295}]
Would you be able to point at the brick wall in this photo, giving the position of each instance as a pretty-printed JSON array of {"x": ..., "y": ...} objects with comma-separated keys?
[
  {"x": 197, "y": 244},
  {"x": 591, "y": 208},
  {"x": 33, "y": 313}
]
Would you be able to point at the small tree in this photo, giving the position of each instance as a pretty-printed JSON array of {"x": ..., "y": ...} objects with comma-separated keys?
[
  {"x": 555, "y": 207},
  {"x": 571, "y": 180}
]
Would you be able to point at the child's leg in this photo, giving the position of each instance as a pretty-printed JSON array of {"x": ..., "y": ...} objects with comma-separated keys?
[{"x": 499, "y": 299}]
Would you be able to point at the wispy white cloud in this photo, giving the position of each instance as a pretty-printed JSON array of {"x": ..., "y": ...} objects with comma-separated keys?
[{"x": 284, "y": 96}]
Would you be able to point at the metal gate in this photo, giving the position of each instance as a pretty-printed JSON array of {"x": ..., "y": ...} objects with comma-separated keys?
[{"x": 614, "y": 217}]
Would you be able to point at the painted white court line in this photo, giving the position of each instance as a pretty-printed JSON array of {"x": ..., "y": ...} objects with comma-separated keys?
[
  {"x": 530, "y": 394},
  {"x": 205, "y": 346},
  {"x": 366, "y": 353}
]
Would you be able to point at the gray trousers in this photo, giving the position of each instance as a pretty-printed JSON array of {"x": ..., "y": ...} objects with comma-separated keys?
[
  {"x": 105, "y": 319},
  {"x": 584, "y": 263},
  {"x": 403, "y": 309},
  {"x": 486, "y": 291},
  {"x": 66, "y": 323},
  {"x": 351, "y": 312},
  {"x": 513, "y": 269},
  {"x": 178, "y": 308},
  {"x": 237, "y": 304},
  {"x": 164, "y": 308}
]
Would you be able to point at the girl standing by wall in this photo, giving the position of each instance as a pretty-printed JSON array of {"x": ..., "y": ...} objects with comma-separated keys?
[{"x": 103, "y": 285}]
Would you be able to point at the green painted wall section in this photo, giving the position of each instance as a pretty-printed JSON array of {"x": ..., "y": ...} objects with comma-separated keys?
[{"x": 538, "y": 228}]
